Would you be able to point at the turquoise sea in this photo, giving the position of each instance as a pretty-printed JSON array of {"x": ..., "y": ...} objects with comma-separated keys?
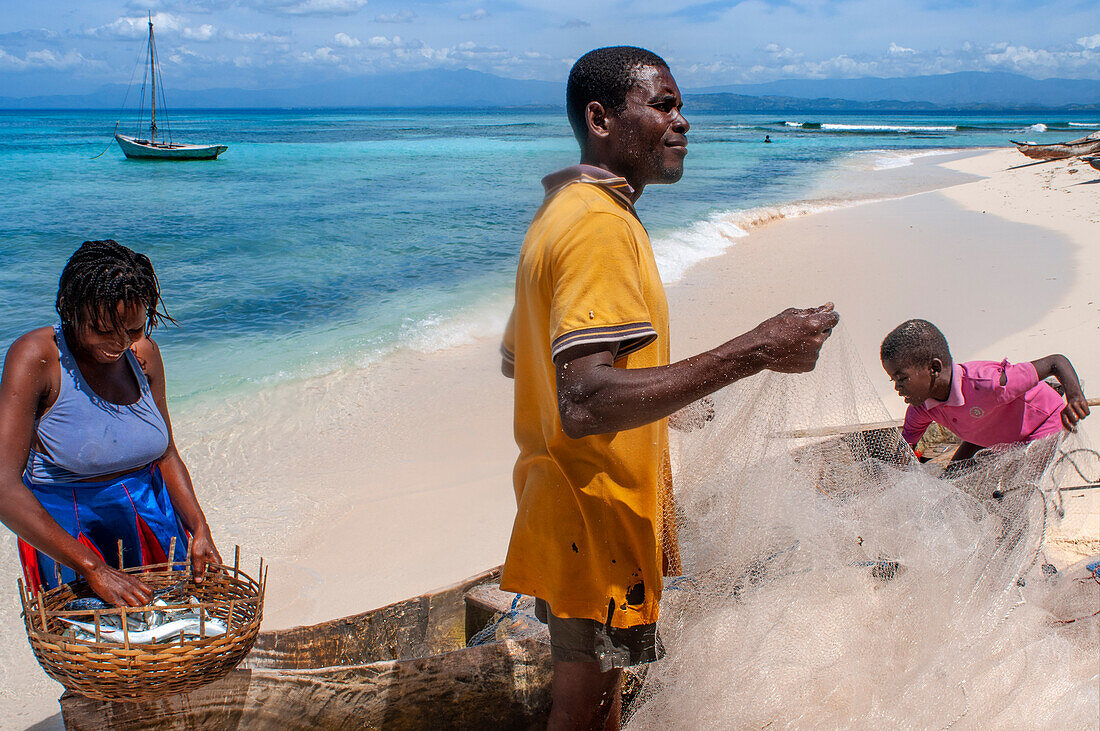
[{"x": 324, "y": 239}]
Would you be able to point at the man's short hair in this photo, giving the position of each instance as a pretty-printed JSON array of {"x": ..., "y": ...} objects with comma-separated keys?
[
  {"x": 604, "y": 75},
  {"x": 915, "y": 342}
]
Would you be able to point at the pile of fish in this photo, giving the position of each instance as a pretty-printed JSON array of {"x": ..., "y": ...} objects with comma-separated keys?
[{"x": 162, "y": 622}]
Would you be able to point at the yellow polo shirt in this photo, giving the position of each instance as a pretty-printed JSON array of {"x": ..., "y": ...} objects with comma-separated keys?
[{"x": 593, "y": 527}]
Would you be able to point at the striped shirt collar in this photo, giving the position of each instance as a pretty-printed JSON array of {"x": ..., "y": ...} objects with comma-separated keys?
[{"x": 614, "y": 184}]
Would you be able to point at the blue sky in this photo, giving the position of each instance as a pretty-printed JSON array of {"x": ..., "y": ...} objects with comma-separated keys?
[{"x": 72, "y": 46}]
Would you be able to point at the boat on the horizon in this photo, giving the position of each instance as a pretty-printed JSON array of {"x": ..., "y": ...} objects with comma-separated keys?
[
  {"x": 136, "y": 148},
  {"x": 1060, "y": 150}
]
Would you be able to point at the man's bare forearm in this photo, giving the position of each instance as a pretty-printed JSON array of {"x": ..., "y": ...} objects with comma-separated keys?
[
  {"x": 594, "y": 397},
  {"x": 601, "y": 398}
]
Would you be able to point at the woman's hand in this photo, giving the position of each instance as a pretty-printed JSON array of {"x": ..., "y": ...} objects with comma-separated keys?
[
  {"x": 117, "y": 587},
  {"x": 203, "y": 552}
]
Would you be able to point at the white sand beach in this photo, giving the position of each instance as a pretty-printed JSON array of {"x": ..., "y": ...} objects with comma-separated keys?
[{"x": 400, "y": 473}]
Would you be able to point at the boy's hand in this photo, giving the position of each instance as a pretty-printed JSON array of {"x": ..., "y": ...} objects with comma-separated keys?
[{"x": 1077, "y": 408}]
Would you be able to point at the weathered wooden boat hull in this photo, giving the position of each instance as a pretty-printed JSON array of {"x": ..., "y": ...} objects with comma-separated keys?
[
  {"x": 1060, "y": 150},
  {"x": 141, "y": 150},
  {"x": 1094, "y": 162},
  {"x": 499, "y": 685},
  {"x": 404, "y": 666}
]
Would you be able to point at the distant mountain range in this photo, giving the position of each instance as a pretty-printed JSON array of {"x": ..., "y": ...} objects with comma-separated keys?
[
  {"x": 977, "y": 91},
  {"x": 968, "y": 88}
]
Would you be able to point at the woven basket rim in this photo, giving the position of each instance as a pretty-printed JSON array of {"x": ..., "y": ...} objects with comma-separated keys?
[{"x": 122, "y": 671}]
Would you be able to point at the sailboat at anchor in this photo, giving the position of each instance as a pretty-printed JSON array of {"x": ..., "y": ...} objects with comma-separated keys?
[{"x": 163, "y": 149}]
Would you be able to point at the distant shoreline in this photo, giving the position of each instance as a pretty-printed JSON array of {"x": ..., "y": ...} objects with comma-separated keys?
[{"x": 691, "y": 100}]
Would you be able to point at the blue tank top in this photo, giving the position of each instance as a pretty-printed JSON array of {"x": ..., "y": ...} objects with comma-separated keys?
[{"x": 84, "y": 436}]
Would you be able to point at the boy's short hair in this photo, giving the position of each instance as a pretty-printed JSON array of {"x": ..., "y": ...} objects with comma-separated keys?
[
  {"x": 915, "y": 342},
  {"x": 604, "y": 75}
]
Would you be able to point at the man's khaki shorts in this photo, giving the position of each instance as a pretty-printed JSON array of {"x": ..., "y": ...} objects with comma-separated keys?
[{"x": 586, "y": 640}]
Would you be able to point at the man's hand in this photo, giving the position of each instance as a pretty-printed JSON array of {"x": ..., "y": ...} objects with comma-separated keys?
[
  {"x": 694, "y": 416},
  {"x": 117, "y": 587},
  {"x": 1077, "y": 408},
  {"x": 793, "y": 338}
]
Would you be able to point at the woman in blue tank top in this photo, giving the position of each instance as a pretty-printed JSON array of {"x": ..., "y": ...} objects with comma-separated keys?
[{"x": 86, "y": 451}]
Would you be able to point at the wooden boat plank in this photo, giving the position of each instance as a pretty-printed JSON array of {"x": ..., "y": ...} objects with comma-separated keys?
[
  {"x": 499, "y": 685},
  {"x": 424, "y": 625}
]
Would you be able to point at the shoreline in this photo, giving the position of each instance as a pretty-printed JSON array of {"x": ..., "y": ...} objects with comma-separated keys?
[
  {"x": 399, "y": 496},
  {"x": 852, "y": 178}
]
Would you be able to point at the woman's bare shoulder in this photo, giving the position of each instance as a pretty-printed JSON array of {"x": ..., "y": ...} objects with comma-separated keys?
[
  {"x": 32, "y": 361},
  {"x": 36, "y": 346}
]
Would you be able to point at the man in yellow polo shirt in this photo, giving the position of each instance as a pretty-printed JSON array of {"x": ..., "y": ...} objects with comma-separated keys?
[{"x": 588, "y": 346}]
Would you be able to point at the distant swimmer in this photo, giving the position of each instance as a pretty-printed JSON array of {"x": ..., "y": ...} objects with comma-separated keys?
[{"x": 767, "y": 138}]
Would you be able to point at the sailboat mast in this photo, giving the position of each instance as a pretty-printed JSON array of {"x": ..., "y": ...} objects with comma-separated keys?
[{"x": 153, "y": 80}]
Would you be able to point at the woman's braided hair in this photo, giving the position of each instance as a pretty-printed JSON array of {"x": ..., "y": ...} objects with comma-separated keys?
[{"x": 99, "y": 276}]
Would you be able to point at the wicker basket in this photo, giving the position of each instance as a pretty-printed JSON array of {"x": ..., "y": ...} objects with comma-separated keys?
[{"x": 121, "y": 671}]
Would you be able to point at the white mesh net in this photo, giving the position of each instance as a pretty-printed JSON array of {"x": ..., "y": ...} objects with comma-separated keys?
[{"x": 831, "y": 581}]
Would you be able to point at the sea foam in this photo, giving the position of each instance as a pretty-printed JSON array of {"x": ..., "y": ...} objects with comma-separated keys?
[{"x": 678, "y": 251}]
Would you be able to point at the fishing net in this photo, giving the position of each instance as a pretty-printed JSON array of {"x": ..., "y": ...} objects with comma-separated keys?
[{"x": 832, "y": 581}]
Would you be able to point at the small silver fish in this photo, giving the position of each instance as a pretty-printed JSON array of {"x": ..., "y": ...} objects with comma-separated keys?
[{"x": 189, "y": 626}]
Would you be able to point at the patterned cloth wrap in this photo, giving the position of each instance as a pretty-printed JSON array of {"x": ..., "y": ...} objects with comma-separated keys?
[{"x": 134, "y": 508}]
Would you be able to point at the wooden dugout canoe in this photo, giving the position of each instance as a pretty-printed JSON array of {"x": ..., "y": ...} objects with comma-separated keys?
[
  {"x": 403, "y": 666},
  {"x": 1059, "y": 150}
]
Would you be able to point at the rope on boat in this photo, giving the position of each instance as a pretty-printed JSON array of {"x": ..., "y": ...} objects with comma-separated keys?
[
  {"x": 125, "y": 97},
  {"x": 109, "y": 143}
]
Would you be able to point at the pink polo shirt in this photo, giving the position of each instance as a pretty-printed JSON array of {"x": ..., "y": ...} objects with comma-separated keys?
[{"x": 982, "y": 411}]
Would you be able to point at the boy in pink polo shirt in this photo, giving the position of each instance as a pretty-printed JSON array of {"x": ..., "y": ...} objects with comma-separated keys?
[{"x": 982, "y": 402}]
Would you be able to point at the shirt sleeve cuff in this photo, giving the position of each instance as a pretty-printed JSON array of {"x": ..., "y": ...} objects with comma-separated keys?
[{"x": 632, "y": 338}]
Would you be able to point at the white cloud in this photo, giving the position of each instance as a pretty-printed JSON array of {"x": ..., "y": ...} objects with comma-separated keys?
[
  {"x": 231, "y": 35},
  {"x": 136, "y": 27},
  {"x": 164, "y": 23},
  {"x": 401, "y": 16},
  {"x": 33, "y": 35},
  {"x": 322, "y": 54},
  {"x": 343, "y": 39},
  {"x": 310, "y": 7},
  {"x": 780, "y": 53},
  {"x": 479, "y": 14},
  {"x": 204, "y": 32},
  {"x": 1089, "y": 42},
  {"x": 192, "y": 6},
  {"x": 44, "y": 59},
  {"x": 774, "y": 62}
]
